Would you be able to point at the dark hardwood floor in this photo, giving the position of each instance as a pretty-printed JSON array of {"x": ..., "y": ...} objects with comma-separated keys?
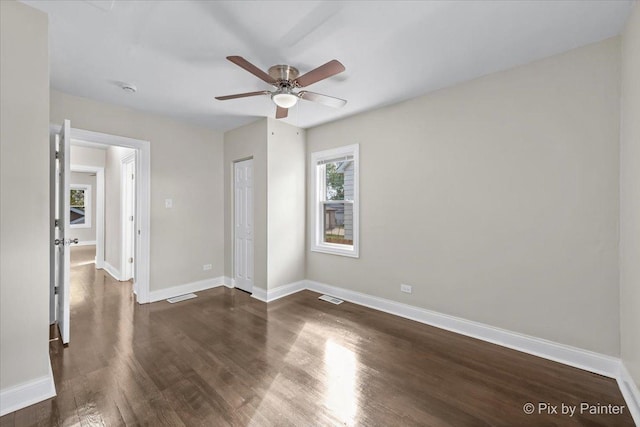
[{"x": 227, "y": 359}]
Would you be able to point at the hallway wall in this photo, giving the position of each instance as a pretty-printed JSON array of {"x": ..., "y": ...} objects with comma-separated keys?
[{"x": 113, "y": 206}]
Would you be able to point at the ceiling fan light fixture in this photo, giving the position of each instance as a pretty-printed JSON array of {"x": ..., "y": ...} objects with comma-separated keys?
[
  {"x": 285, "y": 80},
  {"x": 284, "y": 99}
]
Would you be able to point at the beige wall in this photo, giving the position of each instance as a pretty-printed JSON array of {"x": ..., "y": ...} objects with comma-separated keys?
[
  {"x": 113, "y": 206},
  {"x": 24, "y": 177},
  {"x": 185, "y": 166},
  {"x": 278, "y": 154},
  {"x": 86, "y": 234},
  {"x": 630, "y": 198},
  {"x": 286, "y": 203},
  {"x": 496, "y": 199},
  {"x": 86, "y": 156},
  {"x": 249, "y": 141}
]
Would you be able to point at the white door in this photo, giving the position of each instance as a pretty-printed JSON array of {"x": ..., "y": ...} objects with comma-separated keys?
[
  {"x": 128, "y": 220},
  {"x": 243, "y": 225},
  {"x": 62, "y": 239}
]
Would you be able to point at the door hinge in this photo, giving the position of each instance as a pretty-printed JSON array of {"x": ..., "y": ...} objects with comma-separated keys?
[
  {"x": 57, "y": 154},
  {"x": 55, "y": 290},
  {"x": 130, "y": 260},
  {"x": 56, "y": 223},
  {"x": 131, "y": 218},
  {"x": 132, "y": 176}
]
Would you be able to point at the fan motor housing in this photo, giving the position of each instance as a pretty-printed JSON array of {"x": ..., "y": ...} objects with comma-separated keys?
[{"x": 283, "y": 72}]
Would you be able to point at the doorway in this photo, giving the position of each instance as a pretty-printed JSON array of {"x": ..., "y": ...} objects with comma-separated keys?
[
  {"x": 96, "y": 210},
  {"x": 243, "y": 225},
  {"x": 136, "y": 207}
]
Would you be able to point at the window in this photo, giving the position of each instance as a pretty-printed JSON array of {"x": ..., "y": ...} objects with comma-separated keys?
[
  {"x": 80, "y": 206},
  {"x": 335, "y": 199}
]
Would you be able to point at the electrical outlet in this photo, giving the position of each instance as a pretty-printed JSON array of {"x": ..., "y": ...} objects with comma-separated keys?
[
  {"x": 407, "y": 289},
  {"x": 206, "y": 267},
  {"x": 168, "y": 203}
]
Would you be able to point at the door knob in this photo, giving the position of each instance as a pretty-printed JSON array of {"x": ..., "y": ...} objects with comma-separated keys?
[{"x": 65, "y": 242}]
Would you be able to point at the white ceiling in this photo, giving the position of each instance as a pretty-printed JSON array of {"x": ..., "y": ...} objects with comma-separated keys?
[{"x": 174, "y": 51}]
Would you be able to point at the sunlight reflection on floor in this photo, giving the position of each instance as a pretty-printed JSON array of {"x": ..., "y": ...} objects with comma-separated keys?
[
  {"x": 342, "y": 393},
  {"x": 339, "y": 387}
]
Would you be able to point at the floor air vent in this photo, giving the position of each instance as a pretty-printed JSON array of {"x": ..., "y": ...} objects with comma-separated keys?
[
  {"x": 331, "y": 299},
  {"x": 181, "y": 298}
]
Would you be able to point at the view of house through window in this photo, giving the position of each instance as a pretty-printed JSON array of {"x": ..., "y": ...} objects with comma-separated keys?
[
  {"x": 338, "y": 207},
  {"x": 335, "y": 215},
  {"x": 79, "y": 205}
]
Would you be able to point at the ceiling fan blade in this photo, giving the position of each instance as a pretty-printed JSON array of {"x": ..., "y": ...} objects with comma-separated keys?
[
  {"x": 243, "y": 95},
  {"x": 322, "y": 99},
  {"x": 327, "y": 70},
  {"x": 282, "y": 113},
  {"x": 243, "y": 63}
]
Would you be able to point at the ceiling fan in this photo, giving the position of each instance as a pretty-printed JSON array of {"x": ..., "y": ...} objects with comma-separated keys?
[{"x": 285, "y": 79}]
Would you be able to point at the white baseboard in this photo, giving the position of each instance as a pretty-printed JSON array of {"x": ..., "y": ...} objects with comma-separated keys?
[
  {"x": 285, "y": 290},
  {"x": 630, "y": 392},
  {"x": 259, "y": 294},
  {"x": 114, "y": 272},
  {"x": 608, "y": 366},
  {"x": 27, "y": 394},
  {"x": 186, "y": 288},
  {"x": 279, "y": 292},
  {"x": 568, "y": 355},
  {"x": 268, "y": 295},
  {"x": 85, "y": 243},
  {"x": 229, "y": 282}
]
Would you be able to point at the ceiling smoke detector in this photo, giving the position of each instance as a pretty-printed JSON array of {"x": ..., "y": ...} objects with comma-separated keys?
[{"x": 129, "y": 88}]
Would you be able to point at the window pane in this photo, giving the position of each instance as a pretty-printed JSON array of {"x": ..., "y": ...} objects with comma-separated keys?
[
  {"x": 334, "y": 179},
  {"x": 335, "y": 199},
  {"x": 77, "y": 198},
  {"x": 76, "y": 216},
  {"x": 338, "y": 223}
]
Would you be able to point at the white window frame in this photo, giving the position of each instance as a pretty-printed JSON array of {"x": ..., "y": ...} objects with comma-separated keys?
[
  {"x": 87, "y": 204},
  {"x": 318, "y": 199}
]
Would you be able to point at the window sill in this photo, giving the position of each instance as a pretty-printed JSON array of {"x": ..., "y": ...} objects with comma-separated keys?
[
  {"x": 336, "y": 250},
  {"x": 80, "y": 226}
]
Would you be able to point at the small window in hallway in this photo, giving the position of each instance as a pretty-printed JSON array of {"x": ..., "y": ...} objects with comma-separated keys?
[{"x": 80, "y": 206}]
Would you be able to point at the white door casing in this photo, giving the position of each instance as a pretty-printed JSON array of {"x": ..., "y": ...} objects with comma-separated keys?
[
  {"x": 142, "y": 201},
  {"x": 243, "y": 224}
]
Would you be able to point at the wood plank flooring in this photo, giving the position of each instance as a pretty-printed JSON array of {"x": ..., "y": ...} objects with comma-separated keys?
[{"x": 227, "y": 359}]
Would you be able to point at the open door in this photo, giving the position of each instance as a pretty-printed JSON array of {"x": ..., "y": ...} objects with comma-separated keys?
[
  {"x": 128, "y": 217},
  {"x": 61, "y": 257}
]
